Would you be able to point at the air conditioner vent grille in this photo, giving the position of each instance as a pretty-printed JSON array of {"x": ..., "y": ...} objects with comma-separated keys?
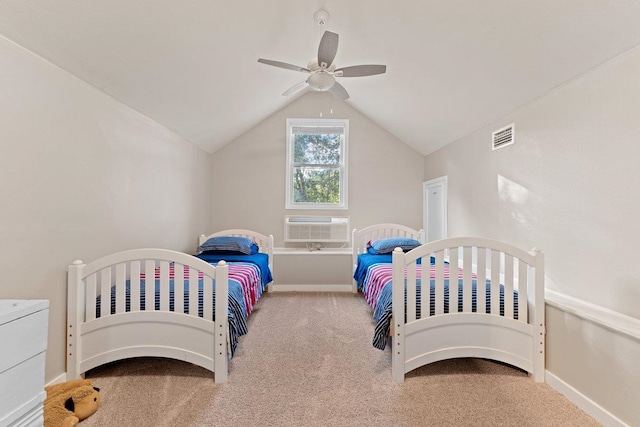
[
  {"x": 316, "y": 229},
  {"x": 503, "y": 137}
]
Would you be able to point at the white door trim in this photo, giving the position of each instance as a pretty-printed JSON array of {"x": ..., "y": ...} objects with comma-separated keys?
[{"x": 441, "y": 185}]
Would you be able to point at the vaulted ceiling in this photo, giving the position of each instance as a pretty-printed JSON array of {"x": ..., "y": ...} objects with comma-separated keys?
[{"x": 452, "y": 65}]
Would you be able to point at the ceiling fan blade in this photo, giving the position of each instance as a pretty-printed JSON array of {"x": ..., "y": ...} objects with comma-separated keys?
[
  {"x": 283, "y": 65},
  {"x": 293, "y": 89},
  {"x": 339, "y": 91},
  {"x": 360, "y": 70},
  {"x": 327, "y": 49}
]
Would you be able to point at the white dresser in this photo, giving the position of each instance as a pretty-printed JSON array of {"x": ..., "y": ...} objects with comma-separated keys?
[{"x": 23, "y": 334}]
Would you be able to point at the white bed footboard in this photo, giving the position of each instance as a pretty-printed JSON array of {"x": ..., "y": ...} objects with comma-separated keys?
[
  {"x": 147, "y": 302},
  {"x": 475, "y": 321}
]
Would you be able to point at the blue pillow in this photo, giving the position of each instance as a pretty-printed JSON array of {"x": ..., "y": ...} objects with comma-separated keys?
[
  {"x": 228, "y": 244},
  {"x": 254, "y": 250},
  {"x": 385, "y": 246}
]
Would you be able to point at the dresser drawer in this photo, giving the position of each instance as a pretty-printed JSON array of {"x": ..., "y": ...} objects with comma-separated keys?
[
  {"x": 23, "y": 334},
  {"x": 22, "y": 390},
  {"x": 23, "y": 338}
]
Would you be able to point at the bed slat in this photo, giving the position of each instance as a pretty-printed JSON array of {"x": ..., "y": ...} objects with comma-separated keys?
[
  {"x": 439, "y": 285},
  {"x": 164, "y": 286},
  {"x": 453, "y": 280},
  {"x": 467, "y": 285},
  {"x": 508, "y": 286},
  {"x": 193, "y": 292},
  {"x": 134, "y": 281},
  {"x": 91, "y": 285},
  {"x": 481, "y": 281},
  {"x": 495, "y": 282},
  {"x": 207, "y": 290},
  {"x": 149, "y": 285},
  {"x": 105, "y": 292},
  {"x": 178, "y": 288},
  {"x": 411, "y": 292},
  {"x": 121, "y": 278}
]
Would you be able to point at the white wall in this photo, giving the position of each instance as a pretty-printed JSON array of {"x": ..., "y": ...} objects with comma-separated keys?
[
  {"x": 83, "y": 176},
  {"x": 385, "y": 175},
  {"x": 570, "y": 186}
]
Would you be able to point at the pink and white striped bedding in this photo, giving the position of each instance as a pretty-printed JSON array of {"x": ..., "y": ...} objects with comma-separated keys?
[
  {"x": 380, "y": 274},
  {"x": 247, "y": 274}
]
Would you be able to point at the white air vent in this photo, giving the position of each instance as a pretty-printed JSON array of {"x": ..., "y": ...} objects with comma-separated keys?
[
  {"x": 312, "y": 229},
  {"x": 503, "y": 137}
]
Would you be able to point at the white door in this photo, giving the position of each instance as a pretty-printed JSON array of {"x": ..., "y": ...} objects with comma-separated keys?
[{"x": 435, "y": 208}]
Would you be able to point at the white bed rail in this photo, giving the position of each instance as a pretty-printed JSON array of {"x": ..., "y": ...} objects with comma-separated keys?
[
  {"x": 493, "y": 332},
  {"x": 134, "y": 326}
]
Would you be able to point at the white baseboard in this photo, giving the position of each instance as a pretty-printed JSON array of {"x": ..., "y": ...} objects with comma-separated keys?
[
  {"x": 312, "y": 288},
  {"x": 583, "y": 402},
  {"x": 59, "y": 379}
]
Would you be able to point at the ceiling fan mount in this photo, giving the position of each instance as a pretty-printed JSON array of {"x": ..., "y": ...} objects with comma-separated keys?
[
  {"x": 321, "y": 17},
  {"x": 322, "y": 71},
  {"x": 314, "y": 67}
]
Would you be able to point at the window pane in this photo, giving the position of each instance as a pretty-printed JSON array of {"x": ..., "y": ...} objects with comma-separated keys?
[
  {"x": 316, "y": 149},
  {"x": 316, "y": 185},
  {"x": 317, "y": 154}
]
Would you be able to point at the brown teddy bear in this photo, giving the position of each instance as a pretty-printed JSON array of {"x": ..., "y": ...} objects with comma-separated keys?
[{"x": 70, "y": 402}]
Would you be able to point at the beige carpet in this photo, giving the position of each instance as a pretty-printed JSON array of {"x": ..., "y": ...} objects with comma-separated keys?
[{"x": 308, "y": 361}]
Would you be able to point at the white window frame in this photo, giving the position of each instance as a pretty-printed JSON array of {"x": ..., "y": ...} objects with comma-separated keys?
[{"x": 344, "y": 123}]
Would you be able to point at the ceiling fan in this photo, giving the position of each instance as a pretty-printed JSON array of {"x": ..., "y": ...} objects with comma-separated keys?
[{"x": 322, "y": 71}]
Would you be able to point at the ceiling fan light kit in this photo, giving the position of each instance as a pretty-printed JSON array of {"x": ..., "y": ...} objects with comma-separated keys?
[
  {"x": 322, "y": 70},
  {"x": 321, "y": 81}
]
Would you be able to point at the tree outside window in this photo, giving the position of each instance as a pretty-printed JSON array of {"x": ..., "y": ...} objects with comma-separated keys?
[{"x": 316, "y": 157}]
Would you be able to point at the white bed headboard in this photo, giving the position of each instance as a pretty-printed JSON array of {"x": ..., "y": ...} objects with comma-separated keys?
[
  {"x": 359, "y": 238},
  {"x": 265, "y": 243}
]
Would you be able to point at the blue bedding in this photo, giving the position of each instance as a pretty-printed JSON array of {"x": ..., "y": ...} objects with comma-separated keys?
[
  {"x": 366, "y": 261},
  {"x": 260, "y": 259}
]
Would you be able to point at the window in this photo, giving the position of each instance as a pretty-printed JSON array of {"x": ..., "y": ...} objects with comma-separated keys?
[{"x": 317, "y": 163}]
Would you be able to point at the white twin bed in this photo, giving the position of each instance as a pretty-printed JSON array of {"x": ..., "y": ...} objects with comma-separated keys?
[
  {"x": 189, "y": 310},
  {"x": 508, "y": 327},
  {"x": 195, "y": 309}
]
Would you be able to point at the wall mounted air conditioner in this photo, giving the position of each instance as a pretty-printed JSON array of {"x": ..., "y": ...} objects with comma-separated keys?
[{"x": 316, "y": 229}]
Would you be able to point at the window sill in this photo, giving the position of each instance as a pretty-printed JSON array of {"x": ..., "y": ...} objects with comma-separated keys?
[{"x": 305, "y": 251}]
